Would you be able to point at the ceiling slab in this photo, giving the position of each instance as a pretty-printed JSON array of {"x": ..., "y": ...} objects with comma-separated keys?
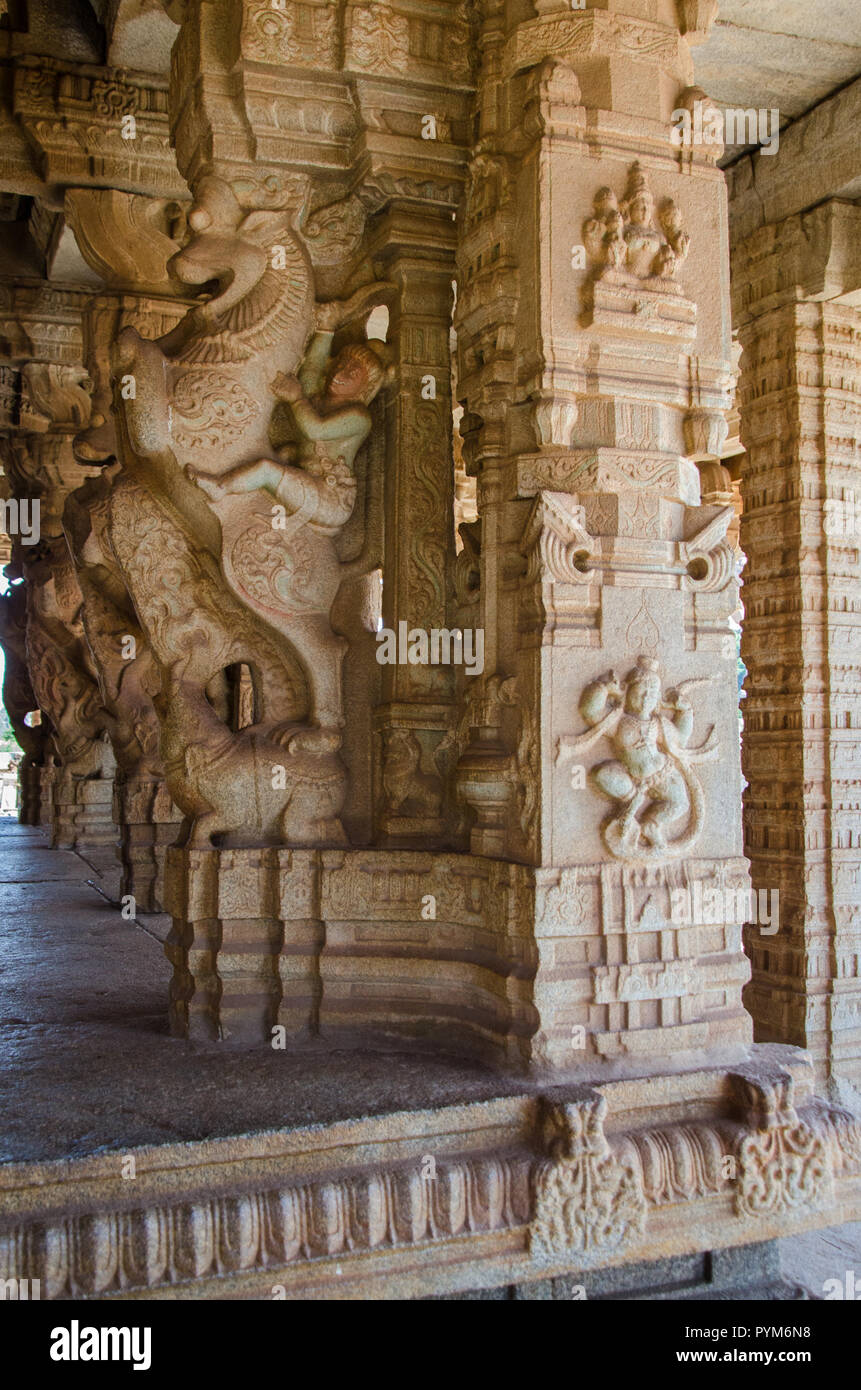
[{"x": 788, "y": 54}]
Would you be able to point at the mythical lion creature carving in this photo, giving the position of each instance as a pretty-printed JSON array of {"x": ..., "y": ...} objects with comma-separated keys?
[
  {"x": 18, "y": 696},
  {"x": 61, "y": 665},
  {"x": 127, "y": 672},
  {"x": 314, "y": 488},
  {"x": 651, "y": 780},
  {"x": 246, "y": 568}
]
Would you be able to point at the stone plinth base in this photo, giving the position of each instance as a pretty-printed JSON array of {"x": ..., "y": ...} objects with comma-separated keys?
[
  {"x": 476, "y": 956},
  {"x": 747, "y": 1272},
  {"x": 149, "y": 823},
  {"x": 582, "y": 1184},
  {"x": 245, "y": 943},
  {"x": 82, "y": 812},
  {"x": 31, "y": 778},
  {"x": 389, "y": 947}
]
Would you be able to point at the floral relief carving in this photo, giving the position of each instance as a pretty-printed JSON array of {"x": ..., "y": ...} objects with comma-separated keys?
[
  {"x": 379, "y": 38},
  {"x": 285, "y": 33},
  {"x": 785, "y": 1164},
  {"x": 588, "y": 1204}
]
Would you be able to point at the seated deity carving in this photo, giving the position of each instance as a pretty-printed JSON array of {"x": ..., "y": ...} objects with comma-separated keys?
[{"x": 624, "y": 239}]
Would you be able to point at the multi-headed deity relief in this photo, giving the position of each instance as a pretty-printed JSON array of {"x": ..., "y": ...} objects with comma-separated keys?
[
  {"x": 623, "y": 238},
  {"x": 651, "y": 779}
]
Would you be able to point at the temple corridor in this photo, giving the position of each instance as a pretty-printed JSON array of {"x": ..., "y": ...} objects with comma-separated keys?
[{"x": 430, "y": 463}]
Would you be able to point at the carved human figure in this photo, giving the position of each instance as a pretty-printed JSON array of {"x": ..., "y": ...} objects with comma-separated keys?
[
  {"x": 642, "y": 774},
  {"x": 615, "y": 246},
  {"x": 60, "y": 663},
  {"x": 641, "y": 237},
  {"x": 671, "y": 223},
  {"x": 605, "y": 203},
  {"x": 624, "y": 240},
  {"x": 650, "y": 778},
  {"x": 314, "y": 484},
  {"x": 329, "y": 403}
]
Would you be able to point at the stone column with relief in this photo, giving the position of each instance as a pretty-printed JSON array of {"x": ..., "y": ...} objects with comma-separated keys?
[
  {"x": 796, "y": 289},
  {"x": 127, "y": 239},
  {"x": 591, "y": 390},
  {"x": 51, "y": 402},
  {"x": 601, "y": 746},
  {"x": 417, "y": 250},
  {"x": 22, "y": 707},
  {"x": 255, "y": 457}
]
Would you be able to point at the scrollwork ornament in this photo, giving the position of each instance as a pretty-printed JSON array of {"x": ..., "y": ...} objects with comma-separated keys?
[{"x": 588, "y": 1204}]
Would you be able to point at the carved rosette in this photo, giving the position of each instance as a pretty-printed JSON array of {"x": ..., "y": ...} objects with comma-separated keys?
[{"x": 588, "y": 1204}]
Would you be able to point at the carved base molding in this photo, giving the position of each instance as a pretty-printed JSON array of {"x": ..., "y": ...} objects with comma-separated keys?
[
  {"x": 149, "y": 823},
  {"x": 466, "y": 951},
  {"x": 30, "y": 782},
  {"x": 443, "y": 1200},
  {"x": 82, "y": 812},
  {"x": 306, "y": 940}
]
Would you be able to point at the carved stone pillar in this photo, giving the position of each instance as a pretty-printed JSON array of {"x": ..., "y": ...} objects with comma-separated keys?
[
  {"x": 128, "y": 240},
  {"x": 21, "y": 705},
  {"x": 417, "y": 251},
  {"x": 601, "y": 745},
  {"x": 65, "y": 680},
  {"x": 51, "y": 403},
  {"x": 795, "y": 287},
  {"x": 255, "y": 458},
  {"x": 229, "y": 554}
]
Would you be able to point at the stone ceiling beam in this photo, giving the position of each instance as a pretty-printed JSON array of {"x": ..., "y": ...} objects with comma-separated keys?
[
  {"x": 819, "y": 157},
  {"x": 86, "y": 126}
]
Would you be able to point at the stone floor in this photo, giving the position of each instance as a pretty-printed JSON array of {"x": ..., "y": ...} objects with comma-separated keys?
[
  {"x": 811, "y": 1260},
  {"x": 87, "y": 1064},
  {"x": 86, "y": 1061}
]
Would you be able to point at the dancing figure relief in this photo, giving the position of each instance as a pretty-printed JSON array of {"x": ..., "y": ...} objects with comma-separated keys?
[{"x": 652, "y": 779}]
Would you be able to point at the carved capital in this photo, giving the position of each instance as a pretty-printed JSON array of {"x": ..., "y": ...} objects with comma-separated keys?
[{"x": 709, "y": 558}]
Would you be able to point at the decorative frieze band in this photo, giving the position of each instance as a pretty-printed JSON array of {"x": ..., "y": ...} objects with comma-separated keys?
[{"x": 584, "y": 1202}]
